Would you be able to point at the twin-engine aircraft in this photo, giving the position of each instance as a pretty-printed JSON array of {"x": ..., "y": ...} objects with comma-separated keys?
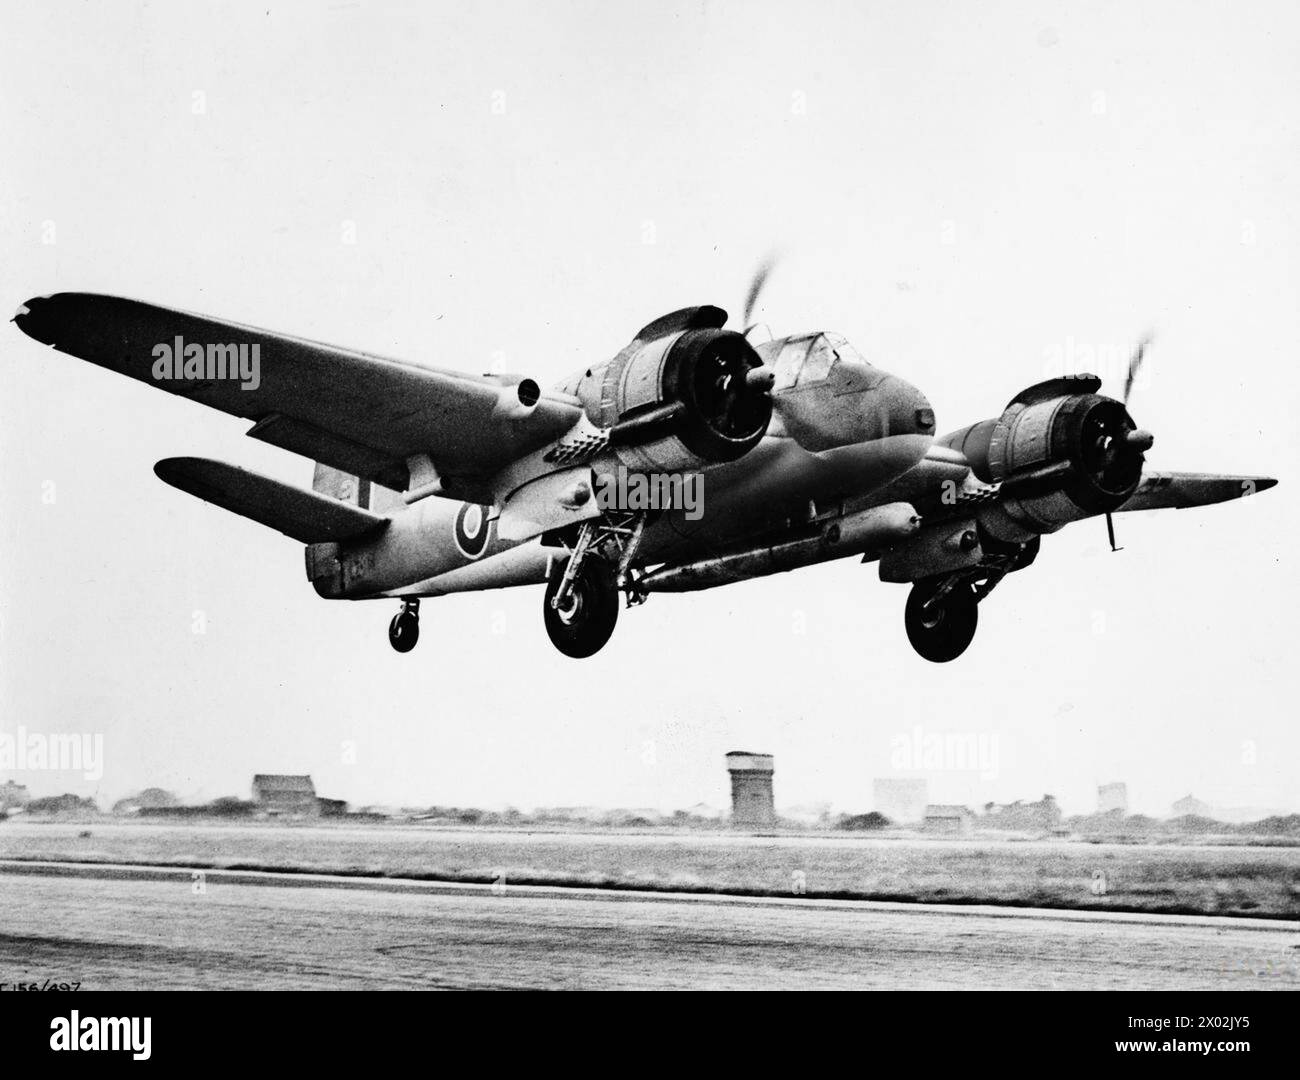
[{"x": 695, "y": 457}]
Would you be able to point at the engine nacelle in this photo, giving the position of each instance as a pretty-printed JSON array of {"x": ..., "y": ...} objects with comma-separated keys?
[
  {"x": 1060, "y": 455},
  {"x": 678, "y": 402}
]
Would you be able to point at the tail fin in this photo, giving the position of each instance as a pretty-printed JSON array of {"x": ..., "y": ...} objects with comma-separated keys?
[
  {"x": 342, "y": 486},
  {"x": 356, "y": 491},
  {"x": 322, "y": 559}
]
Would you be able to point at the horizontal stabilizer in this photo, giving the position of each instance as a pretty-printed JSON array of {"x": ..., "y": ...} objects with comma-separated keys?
[
  {"x": 1173, "y": 490},
  {"x": 304, "y": 515}
]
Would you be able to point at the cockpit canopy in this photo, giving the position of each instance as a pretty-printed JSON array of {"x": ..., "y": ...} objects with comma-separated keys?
[{"x": 804, "y": 361}]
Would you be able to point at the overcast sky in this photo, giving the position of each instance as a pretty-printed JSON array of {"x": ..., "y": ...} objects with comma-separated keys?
[{"x": 967, "y": 191}]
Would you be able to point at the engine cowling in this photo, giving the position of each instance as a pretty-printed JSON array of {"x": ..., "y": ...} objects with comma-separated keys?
[
  {"x": 1059, "y": 457},
  {"x": 684, "y": 400}
]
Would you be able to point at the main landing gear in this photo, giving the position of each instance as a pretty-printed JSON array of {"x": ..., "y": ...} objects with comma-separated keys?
[
  {"x": 581, "y": 618},
  {"x": 404, "y": 630},
  {"x": 941, "y": 618},
  {"x": 581, "y": 606},
  {"x": 943, "y": 611}
]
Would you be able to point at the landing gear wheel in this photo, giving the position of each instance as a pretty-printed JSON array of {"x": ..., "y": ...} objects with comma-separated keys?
[
  {"x": 942, "y": 632},
  {"x": 580, "y": 627},
  {"x": 404, "y": 630}
]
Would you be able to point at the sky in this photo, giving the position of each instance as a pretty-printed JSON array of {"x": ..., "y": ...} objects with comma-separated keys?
[{"x": 973, "y": 194}]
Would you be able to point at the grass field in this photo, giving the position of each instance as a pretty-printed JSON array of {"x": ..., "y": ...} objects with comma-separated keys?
[{"x": 1200, "y": 879}]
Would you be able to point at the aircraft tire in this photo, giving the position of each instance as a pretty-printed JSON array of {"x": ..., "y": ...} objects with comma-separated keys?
[
  {"x": 582, "y": 629},
  {"x": 404, "y": 631},
  {"x": 941, "y": 635}
]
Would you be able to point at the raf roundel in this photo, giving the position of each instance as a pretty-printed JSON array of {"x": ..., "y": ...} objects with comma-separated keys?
[{"x": 472, "y": 528}]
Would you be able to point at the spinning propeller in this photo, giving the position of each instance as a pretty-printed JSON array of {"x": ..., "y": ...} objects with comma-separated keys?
[
  {"x": 735, "y": 387},
  {"x": 756, "y": 284},
  {"x": 1120, "y": 448}
]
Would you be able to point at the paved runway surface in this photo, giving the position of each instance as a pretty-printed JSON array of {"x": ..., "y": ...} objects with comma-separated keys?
[{"x": 118, "y": 928}]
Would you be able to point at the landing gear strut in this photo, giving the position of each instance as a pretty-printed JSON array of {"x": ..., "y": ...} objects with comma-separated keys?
[
  {"x": 943, "y": 611},
  {"x": 941, "y": 618},
  {"x": 404, "y": 630},
  {"x": 581, "y": 608}
]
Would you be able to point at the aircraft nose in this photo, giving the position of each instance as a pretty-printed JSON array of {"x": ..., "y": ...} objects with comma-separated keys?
[{"x": 906, "y": 409}]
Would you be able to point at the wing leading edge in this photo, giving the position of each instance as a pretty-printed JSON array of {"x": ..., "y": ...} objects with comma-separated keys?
[
  {"x": 1181, "y": 490},
  {"x": 361, "y": 413}
]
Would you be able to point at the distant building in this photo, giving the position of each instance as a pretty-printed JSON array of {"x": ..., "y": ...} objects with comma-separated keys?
[
  {"x": 945, "y": 819},
  {"x": 1112, "y": 799},
  {"x": 275, "y": 793},
  {"x": 1191, "y": 807},
  {"x": 752, "y": 806},
  {"x": 13, "y": 796},
  {"x": 902, "y": 801}
]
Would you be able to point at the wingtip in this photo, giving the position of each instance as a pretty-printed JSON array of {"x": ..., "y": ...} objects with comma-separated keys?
[
  {"x": 169, "y": 468},
  {"x": 1265, "y": 482},
  {"x": 32, "y": 302},
  {"x": 27, "y": 317}
]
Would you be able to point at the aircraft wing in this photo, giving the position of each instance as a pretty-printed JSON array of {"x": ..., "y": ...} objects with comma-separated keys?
[
  {"x": 1180, "y": 490},
  {"x": 364, "y": 414},
  {"x": 306, "y": 516},
  {"x": 947, "y": 470}
]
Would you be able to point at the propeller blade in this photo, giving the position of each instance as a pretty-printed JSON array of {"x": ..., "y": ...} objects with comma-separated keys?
[
  {"x": 756, "y": 286},
  {"x": 1135, "y": 364}
]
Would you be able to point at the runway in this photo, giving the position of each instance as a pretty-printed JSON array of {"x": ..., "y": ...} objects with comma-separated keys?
[{"x": 117, "y": 927}]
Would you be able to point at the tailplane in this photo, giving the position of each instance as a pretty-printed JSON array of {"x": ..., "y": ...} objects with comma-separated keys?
[{"x": 308, "y": 516}]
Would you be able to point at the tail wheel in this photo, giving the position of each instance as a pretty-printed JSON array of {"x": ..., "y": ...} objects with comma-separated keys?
[
  {"x": 580, "y": 627},
  {"x": 942, "y": 631},
  {"x": 404, "y": 630}
]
